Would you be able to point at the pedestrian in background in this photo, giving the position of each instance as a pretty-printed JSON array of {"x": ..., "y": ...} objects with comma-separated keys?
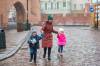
[{"x": 61, "y": 40}]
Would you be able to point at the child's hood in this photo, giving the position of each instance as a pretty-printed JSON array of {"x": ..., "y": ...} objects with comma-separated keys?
[{"x": 34, "y": 36}]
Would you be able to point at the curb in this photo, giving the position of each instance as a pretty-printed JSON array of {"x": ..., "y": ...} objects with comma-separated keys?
[{"x": 12, "y": 53}]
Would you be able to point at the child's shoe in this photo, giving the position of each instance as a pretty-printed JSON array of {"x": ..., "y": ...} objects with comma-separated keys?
[
  {"x": 44, "y": 56},
  {"x": 30, "y": 61},
  {"x": 61, "y": 54},
  {"x": 34, "y": 61},
  {"x": 49, "y": 58}
]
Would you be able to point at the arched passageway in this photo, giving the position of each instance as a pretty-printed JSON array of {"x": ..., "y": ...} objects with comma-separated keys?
[{"x": 16, "y": 17}]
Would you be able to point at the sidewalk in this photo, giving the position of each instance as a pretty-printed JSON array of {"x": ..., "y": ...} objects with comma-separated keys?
[{"x": 14, "y": 40}]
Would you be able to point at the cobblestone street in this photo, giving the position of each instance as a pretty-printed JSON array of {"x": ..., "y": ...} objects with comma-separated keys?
[
  {"x": 14, "y": 41},
  {"x": 82, "y": 49}
]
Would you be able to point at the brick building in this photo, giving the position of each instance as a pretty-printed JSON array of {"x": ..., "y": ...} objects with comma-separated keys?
[
  {"x": 65, "y": 12},
  {"x": 21, "y": 11}
]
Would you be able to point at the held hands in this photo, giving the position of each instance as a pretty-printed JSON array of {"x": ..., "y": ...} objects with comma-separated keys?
[{"x": 41, "y": 31}]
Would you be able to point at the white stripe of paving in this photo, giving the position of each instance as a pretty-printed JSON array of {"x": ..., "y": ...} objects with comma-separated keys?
[{"x": 17, "y": 43}]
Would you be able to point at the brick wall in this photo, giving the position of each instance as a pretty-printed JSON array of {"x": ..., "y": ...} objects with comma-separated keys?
[
  {"x": 33, "y": 10},
  {"x": 74, "y": 19}
]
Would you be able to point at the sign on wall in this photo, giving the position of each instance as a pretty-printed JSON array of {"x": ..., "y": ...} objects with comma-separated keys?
[{"x": 91, "y": 8}]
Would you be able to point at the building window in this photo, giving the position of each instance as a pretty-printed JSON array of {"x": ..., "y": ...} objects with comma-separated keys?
[
  {"x": 45, "y": 6},
  {"x": 48, "y": 6},
  {"x": 51, "y": 5},
  {"x": 75, "y": 6},
  {"x": 68, "y": 5},
  {"x": 42, "y": 6},
  {"x": 81, "y": 6},
  {"x": 64, "y": 4},
  {"x": 57, "y": 5}
]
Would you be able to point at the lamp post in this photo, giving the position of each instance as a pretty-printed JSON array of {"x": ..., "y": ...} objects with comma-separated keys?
[
  {"x": 27, "y": 11},
  {"x": 97, "y": 15},
  {"x": 27, "y": 23}
]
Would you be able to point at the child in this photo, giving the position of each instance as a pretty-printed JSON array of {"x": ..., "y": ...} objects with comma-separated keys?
[
  {"x": 34, "y": 45},
  {"x": 61, "y": 40}
]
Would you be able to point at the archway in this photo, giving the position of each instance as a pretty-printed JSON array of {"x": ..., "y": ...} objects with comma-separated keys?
[
  {"x": 12, "y": 23},
  {"x": 18, "y": 16}
]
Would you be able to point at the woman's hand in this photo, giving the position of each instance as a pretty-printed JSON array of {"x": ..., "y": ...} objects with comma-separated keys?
[
  {"x": 41, "y": 31},
  {"x": 55, "y": 31}
]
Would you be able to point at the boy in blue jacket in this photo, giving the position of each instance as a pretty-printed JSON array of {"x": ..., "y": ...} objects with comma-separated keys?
[{"x": 34, "y": 45}]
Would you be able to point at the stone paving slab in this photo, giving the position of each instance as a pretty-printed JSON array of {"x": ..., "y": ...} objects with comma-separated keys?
[
  {"x": 82, "y": 49},
  {"x": 14, "y": 41}
]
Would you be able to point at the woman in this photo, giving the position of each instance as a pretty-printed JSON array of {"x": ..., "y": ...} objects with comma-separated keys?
[{"x": 47, "y": 40}]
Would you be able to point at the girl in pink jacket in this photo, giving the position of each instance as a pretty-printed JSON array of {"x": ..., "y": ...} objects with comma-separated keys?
[{"x": 61, "y": 40}]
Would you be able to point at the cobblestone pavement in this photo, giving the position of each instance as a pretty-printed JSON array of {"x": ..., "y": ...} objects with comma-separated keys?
[
  {"x": 14, "y": 40},
  {"x": 82, "y": 49},
  {"x": 13, "y": 37}
]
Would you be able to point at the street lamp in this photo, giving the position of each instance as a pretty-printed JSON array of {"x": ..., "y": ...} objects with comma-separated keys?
[
  {"x": 27, "y": 23},
  {"x": 97, "y": 15},
  {"x": 27, "y": 11}
]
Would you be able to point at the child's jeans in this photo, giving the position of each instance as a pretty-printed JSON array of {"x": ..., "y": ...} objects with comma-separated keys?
[
  {"x": 33, "y": 52},
  {"x": 60, "y": 48}
]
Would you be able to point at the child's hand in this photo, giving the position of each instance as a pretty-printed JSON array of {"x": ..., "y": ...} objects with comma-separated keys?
[{"x": 41, "y": 31}]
